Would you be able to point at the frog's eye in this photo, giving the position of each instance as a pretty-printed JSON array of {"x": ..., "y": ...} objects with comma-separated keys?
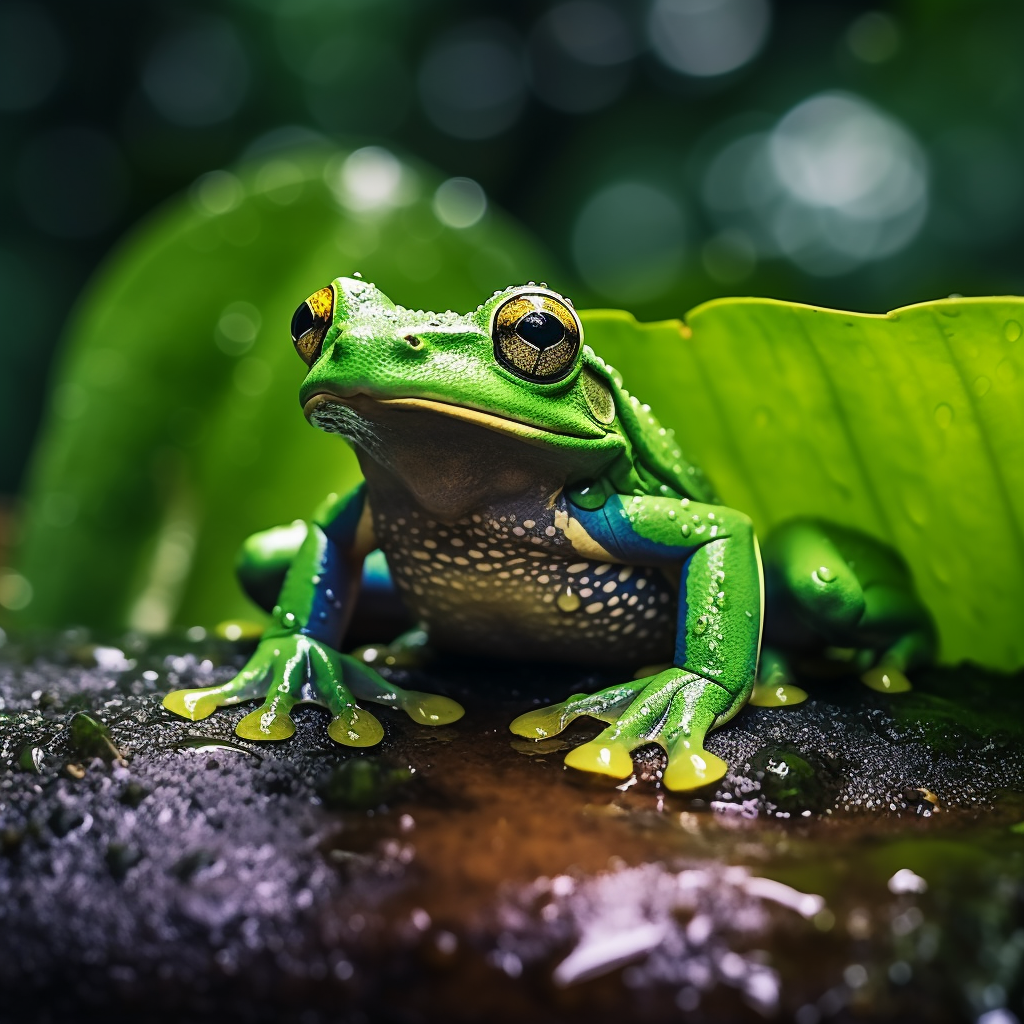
[
  {"x": 310, "y": 324},
  {"x": 537, "y": 336}
]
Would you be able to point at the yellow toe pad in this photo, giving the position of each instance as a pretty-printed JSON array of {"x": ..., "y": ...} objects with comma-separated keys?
[
  {"x": 886, "y": 680},
  {"x": 262, "y": 724},
  {"x": 603, "y": 757},
  {"x": 777, "y": 696},
  {"x": 690, "y": 768},
  {"x": 539, "y": 724},
  {"x": 356, "y": 728},
  {"x": 432, "y": 709},
  {"x": 192, "y": 704}
]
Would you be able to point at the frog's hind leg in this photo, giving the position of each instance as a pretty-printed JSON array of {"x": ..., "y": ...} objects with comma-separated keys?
[
  {"x": 774, "y": 686},
  {"x": 896, "y": 611},
  {"x": 850, "y": 591},
  {"x": 808, "y": 579}
]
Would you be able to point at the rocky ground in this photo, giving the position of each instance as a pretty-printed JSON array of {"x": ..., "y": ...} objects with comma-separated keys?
[{"x": 862, "y": 860}]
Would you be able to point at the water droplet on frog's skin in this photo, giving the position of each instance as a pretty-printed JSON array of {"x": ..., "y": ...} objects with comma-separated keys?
[
  {"x": 685, "y": 529},
  {"x": 567, "y": 601},
  {"x": 1012, "y": 331},
  {"x": 981, "y": 386},
  {"x": 943, "y": 414}
]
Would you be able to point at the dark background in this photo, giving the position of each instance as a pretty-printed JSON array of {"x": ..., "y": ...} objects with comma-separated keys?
[{"x": 841, "y": 153}]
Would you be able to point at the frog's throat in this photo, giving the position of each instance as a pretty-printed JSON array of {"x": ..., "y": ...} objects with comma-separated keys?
[{"x": 528, "y": 432}]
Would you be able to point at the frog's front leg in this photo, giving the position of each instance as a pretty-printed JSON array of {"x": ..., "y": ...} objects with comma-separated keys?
[
  {"x": 298, "y": 660},
  {"x": 719, "y": 628}
]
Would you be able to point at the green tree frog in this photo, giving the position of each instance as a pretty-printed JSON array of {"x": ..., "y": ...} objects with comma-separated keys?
[{"x": 529, "y": 506}]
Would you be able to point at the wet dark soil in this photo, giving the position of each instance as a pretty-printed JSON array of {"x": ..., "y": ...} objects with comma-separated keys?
[{"x": 862, "y": 860}]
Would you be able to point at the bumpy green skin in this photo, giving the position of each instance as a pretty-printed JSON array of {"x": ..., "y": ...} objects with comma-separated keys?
[{"x": 520, "y": 518}]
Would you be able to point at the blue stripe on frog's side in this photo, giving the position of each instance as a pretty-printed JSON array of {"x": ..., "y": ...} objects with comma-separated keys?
[{"x": 610, "y": 527}]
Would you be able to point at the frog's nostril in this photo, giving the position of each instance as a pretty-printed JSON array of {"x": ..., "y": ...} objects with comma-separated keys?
[{"x": 413, "y": 341}]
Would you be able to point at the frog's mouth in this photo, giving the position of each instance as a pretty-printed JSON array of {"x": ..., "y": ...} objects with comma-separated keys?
[{"x": 317, "y": 411}]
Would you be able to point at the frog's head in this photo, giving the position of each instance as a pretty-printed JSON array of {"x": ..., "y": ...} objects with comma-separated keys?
[{"x": 516, "y": 367}]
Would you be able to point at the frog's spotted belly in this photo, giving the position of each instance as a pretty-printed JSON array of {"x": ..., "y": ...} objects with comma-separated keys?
[{"x": 516, "y": 588}]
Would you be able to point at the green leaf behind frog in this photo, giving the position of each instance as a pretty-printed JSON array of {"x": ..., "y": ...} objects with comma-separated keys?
[{"x": 908, "y": 426}]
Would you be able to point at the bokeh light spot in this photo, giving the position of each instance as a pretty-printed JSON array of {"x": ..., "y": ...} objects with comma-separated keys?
[
  {"x": 629, "y": 241},
  {"x": 15, "y": 591},
  {"x": 704, "y": 38},
  {"x": 836, "y": 150},
  {"x": 837, "y": 183},
  {"x": 280, "y": 180},
  {"x": 459, "y": 202},
  {"x": 472, "y": 84},
  {"x": 217, "y": 192},
  {"x": 237, "y": 327},
  {"x": 371, "y": 178},
  {"x": 197, "y": 76}
]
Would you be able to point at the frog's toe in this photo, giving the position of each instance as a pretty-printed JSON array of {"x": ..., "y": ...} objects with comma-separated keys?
[
  {"x": 605, "y": 705},
  {"x": 423, "y": 708},
  {"x": 431, "y": 708},
  {"x": 776, "y": 695},
  {"x": 355, "y": 727},
  {"x": 602, "y": 755},
  {"x": 541, "y": 723},
  {"x": 266, "y": 723},
  {"x": 886, "y": 679},
  {"x": 193, "y": 704},
  {"x": 690, "y": 766},
  {"x": 410, "y": 650}
]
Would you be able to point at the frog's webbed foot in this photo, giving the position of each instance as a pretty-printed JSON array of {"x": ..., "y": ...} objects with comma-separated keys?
[
  {"x": 294, "y": 668},
  {"x": 774, "y": 686},
  {"x": 674, "y": 709}
]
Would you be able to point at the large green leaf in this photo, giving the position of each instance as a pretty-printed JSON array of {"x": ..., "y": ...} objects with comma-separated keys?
[
  {"x": 908, "y": 426},
  {"x": 163, "y": 451}
]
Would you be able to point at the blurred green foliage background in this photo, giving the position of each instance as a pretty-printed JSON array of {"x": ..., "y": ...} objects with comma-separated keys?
[
  {"x": 857, "y": 155},
  {"x": 849, "y": 154}
]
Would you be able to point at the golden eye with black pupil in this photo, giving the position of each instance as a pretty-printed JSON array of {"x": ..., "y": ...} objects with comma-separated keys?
[
  {"x": 310, "y": 324},
  {"x": 536, "y": 336}
]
